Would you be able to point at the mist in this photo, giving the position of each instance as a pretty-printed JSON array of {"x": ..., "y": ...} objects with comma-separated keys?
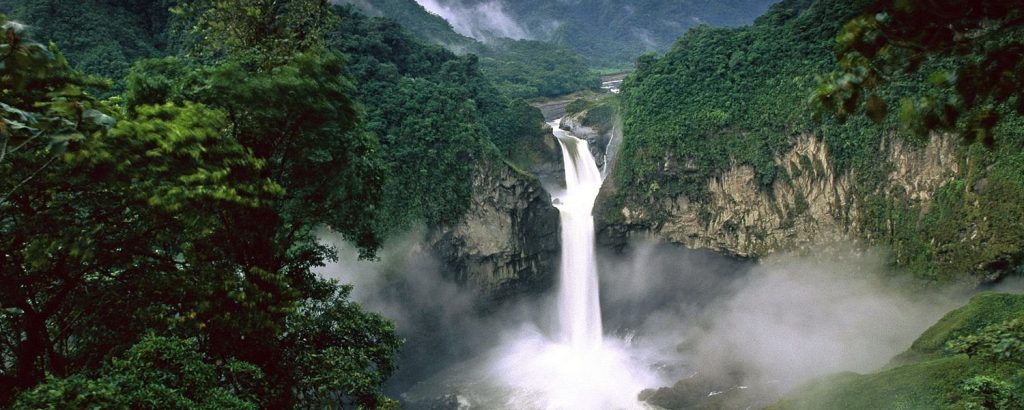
[
  {"x": 779, "y": 322},
  {"x": 483, "y": 21},
  {"x": 670, "y": 314}
]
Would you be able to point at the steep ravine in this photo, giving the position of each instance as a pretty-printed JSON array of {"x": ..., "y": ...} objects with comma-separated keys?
[
  {"x": 809, "y": 204},
  {"x": 507, "y": 242}
]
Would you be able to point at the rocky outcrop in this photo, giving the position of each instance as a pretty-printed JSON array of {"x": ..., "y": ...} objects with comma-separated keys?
[
  {"x": 918, "y": 172},
  {"x": 544, "y": 160},
  {"x": 809, "y": 203},
  {"x": 507, "y": 242},
  {"x": 603, "y": 137}
]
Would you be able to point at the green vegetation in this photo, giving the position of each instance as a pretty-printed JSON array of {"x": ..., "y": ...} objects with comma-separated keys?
[
  {"x": 435, "y": 114},
  {"x": 518, "y": 68},
  {"x": 721, "y": 97},
  {"x": 979, "y": 44},
  {"x": 970, "y": 359},
  {"x": 162, "y": 240},
  {"x": 158, "y": 372},
  {"x": 527, "y": 69},
  {"x": 417, "y": 20},
  {"x": 157, "y": 246},
  {"x": 100, "y": 37},
  {"x": 613, "y": 34}
]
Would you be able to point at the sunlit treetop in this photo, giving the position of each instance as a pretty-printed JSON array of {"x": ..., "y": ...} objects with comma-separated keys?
[{"x": 267, "y": 32}]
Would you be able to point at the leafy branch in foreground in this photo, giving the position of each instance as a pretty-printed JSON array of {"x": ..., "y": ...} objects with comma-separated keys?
[{"x": 973, "y": 52}]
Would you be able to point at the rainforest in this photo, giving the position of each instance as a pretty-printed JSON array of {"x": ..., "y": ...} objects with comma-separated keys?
[{"x": 498, "y": 204}]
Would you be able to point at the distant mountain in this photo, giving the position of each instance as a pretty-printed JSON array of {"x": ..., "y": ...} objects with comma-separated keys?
[
  {"x": 605, "y": 32},
  {"x": 424, "y": 24},
  {"x": 519, "y": 67}
]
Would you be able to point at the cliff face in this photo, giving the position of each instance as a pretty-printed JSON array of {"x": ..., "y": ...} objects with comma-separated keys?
[
  {"x": 597, "y": 139},
  {"x": 810, "y": 203},
  {"x": 507, "y": 242},
  {"x": 602, "y": 129}
]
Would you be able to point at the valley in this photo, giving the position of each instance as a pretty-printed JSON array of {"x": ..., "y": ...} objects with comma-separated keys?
[{"x": 488, "y": 204}]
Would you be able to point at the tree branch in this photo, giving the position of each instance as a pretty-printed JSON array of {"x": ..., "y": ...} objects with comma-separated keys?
[
  {"x": 11, "y": 192},
  {"x": 3, "y": 149}
]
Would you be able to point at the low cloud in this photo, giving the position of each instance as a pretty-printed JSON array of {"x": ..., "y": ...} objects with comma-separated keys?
[{"x": 482, "y": 20}]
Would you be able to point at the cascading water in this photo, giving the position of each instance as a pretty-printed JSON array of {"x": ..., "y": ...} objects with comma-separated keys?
[
  {"x": 578, "y": 305},
  {"x": 573, "y": 366}
]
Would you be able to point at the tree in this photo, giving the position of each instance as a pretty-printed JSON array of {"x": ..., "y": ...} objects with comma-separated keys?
[
  {"x": 340, "y": 354},
  {"x": 99, "y": 214},
  {"x": 190, "y": 220},
  {"x": 264, "y": 32},
  {"x": 156, "y": 373},
  {"x": 973, "y": 49}
]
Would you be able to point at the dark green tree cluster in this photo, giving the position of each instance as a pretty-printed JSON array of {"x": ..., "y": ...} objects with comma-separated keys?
[
  {"x": 157, "y": 249},
  {"x": 971, "y": 51},
  {"x": 100, "y": 37},
  {"x": 435, "y": 114},
  {"x": 527, "y": 68},
  {"x": 724, "y": 97}
]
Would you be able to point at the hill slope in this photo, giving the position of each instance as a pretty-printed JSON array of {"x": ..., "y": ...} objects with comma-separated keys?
[
  {"x": 722, "y": 150},
  {"x": 933, "y": 373},
  {"x": 605, "y": 32}
]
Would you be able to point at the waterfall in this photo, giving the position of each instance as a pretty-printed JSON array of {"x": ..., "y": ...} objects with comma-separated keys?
[
  {"x": 578, "y": 305},
  {"x": 572, "y": 365}
]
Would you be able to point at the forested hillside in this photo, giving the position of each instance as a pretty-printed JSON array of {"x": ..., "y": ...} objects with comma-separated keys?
[
  {"x": 722, "y": 98},
  {"x": 519, "y": 68},
  {"x": 607, "y": 33},
  {"x": 158, "y": 246},
  {"x": 101, "y": 37},
  {"x": 435, "y": 114}
]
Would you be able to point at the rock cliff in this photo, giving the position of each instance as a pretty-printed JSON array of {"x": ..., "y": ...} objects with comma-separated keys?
[
  {"x": 507, "y": 242},
  {"x": 809, "y": 203},
  {"x": 601, "y": 128}
]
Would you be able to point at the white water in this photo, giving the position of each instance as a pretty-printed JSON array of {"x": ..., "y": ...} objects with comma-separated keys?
[
  {"x": 572, "y": 366},
  {"x": 578, "y": 307}
]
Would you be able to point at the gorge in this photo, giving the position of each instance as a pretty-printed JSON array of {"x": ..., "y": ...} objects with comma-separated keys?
[{"x": 477, "y": 204}]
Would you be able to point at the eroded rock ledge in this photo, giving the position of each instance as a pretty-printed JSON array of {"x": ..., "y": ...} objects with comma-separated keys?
[
  {"x": 810, "y": 203},
  {"x": 507, "y": 242}
]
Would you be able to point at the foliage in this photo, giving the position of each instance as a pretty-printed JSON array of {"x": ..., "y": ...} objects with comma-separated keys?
[
  {"x": 189, "y": 211},
  {"x": 927, "y": 376},
  {"x": 155, "y": 373},
  {"x": 526, "y": 69},
  {"x": 729, "y": 97},
  {"x": 343, "y": 354},
  {"x": 1001, "y": 342},
  {"x": 984, "y": 392},
  {"x": 100, "y": 37},
  {"x": 297, "y": 116},
  {"x": 434, "y": 112},
  {"x": 979, "y": 43},
  {"x": 266, "y": 31}
]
